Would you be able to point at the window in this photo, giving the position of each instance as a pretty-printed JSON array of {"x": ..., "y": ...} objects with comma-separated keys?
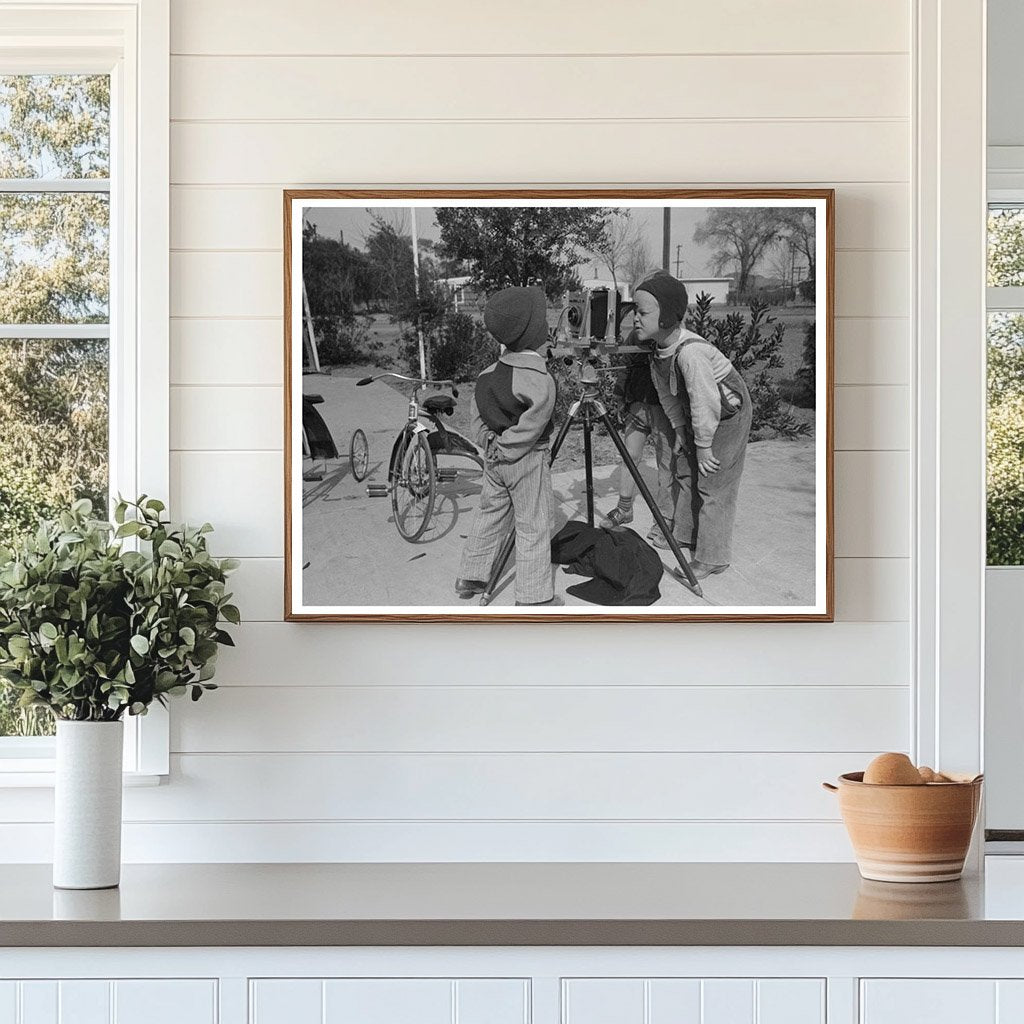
[
  {"x": 1005, "y": 477},
  {"x": 84, "y": 123},
  {"x": 54, "y": 308}
]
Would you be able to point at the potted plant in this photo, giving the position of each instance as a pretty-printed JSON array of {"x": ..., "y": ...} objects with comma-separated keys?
[{"x": 93, "y": 630}]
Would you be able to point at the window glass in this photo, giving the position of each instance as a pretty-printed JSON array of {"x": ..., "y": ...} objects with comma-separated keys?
[
  {"x": 54, "y": 274},
  {"x": 1005, "y": 481},
  {"x": 1006, "y": 246},
  {"x": 54, "y": 257},
  {"x": 54, "y": 127}
]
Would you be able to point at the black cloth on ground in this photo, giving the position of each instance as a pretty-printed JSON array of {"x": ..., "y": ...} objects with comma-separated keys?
[{"x": 626, "y": 570}]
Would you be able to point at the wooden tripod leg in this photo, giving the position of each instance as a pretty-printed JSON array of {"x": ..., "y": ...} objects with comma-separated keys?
[{"x": 641, "y": 484}]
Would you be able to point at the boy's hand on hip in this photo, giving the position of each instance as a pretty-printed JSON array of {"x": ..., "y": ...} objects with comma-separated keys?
[{"x": 706, "y": 462}]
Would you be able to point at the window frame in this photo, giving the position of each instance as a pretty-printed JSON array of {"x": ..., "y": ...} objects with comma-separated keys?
[{"x": 130, "y": 41}]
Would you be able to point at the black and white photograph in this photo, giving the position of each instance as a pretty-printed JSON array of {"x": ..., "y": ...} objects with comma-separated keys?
[{"x": 571, "y": 405}]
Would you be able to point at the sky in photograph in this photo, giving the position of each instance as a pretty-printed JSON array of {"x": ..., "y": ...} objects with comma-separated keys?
[{"x": 688, "y": 260}]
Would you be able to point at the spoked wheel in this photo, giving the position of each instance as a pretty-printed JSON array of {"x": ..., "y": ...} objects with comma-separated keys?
[
  {"x": 414, "y": 489},
  {"x": 359, "y": 455}
]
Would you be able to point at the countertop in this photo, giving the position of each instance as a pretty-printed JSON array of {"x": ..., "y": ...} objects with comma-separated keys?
[{"x": 494, "y": 904}]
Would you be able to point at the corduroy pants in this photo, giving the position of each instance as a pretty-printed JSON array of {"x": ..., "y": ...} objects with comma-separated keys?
[{"x": 515, "y": 494}]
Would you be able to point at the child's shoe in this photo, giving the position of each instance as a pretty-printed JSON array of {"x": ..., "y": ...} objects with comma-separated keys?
[
  {"x": 617, "y": 517},
  {"x": 468, "y": 588},
  {"x": 700, "y": 570}
]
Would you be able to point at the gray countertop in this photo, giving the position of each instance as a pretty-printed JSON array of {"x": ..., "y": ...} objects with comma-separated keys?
[{"x": 504, "y": 904}]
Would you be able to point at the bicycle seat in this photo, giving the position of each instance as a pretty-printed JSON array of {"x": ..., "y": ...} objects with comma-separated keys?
[
  {"x": 313, "y": 399},
  {"x": 439, "y": 404}
]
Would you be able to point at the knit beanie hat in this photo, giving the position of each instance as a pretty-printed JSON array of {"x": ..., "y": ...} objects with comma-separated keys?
[
  {"x": 671, "y": 296},
  {"x": 518, "y": 318}
]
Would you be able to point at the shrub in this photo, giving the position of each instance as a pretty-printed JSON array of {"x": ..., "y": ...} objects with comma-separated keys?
[
  {"x": 344, "y": 341},
  {"x": 752, "y": 343},
  {"x": 458, "y": 347}
]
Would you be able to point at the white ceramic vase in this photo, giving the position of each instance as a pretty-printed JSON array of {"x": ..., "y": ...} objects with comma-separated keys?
[{"x": 87, "y": 805}]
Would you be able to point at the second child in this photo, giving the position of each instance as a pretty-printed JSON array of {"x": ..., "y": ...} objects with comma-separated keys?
[{"x": 512, "y": 410}]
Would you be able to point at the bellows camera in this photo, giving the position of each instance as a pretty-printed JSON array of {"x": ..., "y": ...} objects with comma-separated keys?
[{"x": 596, "y": 314}]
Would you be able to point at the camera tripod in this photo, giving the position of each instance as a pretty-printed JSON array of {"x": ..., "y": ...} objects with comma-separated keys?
[{"x": 590, "y": 409}]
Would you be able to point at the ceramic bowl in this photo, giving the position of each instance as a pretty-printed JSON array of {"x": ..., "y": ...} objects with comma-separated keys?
[{"x": 909, "y": 833}]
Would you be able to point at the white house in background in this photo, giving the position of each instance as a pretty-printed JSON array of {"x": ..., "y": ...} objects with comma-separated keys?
[{"x": 716, "y": 287}]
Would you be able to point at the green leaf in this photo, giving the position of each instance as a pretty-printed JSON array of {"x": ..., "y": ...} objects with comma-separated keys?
[
  {"x": 140, "y": 644},
  {"x": 170, "y": 549},
  {"x": 231, "y": 613},
  {"x": 188, "y": 634},
  {"x": 49, "y": 631},
  {"x": 156, "y": 505}
]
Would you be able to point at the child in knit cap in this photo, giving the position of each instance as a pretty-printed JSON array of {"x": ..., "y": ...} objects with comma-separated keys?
[
  {"x": 708, "y": 404},
  {"x": 512, "y": 409}
]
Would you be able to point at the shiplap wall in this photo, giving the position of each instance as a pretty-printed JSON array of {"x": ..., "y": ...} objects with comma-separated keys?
[{"x": 681, "y": 741}]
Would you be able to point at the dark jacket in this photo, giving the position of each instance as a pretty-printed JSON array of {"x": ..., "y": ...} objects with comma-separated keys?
[{"x": 626, "y": 570}]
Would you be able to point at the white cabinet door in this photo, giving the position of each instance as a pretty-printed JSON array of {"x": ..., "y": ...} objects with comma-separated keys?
[
  {"x": 929, "y": 1001},
  {"x": 99, "y": 1001},
  {"x": 693, "y": 1001},
  {"x": 389, "y": 1001}
]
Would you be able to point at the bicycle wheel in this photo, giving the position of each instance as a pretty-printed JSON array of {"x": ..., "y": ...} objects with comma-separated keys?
[
  {"x": 414, "y": 489},
  {"x": 359, "y": 455}
]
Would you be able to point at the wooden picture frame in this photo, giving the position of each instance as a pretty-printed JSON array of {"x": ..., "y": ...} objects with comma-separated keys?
[{"x": 344, "y": 550}]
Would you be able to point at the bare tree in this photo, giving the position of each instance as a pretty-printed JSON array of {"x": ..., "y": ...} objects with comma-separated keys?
[
  {"x": 617, "y": 245},
  {"x": 800, "y": 234},
  {"x": 639, "y": 263},
  {"x": 741, "y": 237}
]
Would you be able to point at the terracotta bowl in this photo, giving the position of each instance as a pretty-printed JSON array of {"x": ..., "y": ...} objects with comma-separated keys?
[{"x": 909, "y": 833}]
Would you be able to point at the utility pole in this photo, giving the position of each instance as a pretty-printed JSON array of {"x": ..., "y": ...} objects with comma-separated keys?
[
  {"x": 416, "y": 285},
  {"x": 666, "y": 235},
  {"x": 679, "y": 246}
]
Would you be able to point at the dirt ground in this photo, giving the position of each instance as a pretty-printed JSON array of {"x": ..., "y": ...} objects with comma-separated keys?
[{"x": 353, "y": 554}]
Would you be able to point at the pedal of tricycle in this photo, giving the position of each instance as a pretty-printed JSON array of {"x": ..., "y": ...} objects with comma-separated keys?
[
  {"x": 446, "y": 474},
  {"x": 376, "y": 490}
]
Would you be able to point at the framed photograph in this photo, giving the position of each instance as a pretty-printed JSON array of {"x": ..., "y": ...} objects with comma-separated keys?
[{"x": 558, "y": 405}]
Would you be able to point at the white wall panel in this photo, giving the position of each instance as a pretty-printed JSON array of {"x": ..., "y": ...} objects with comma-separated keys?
[
  {"x": 234, "y": 418},
  {"x": 551, "y": 717},
  {"x": 9, "y": 1002},
  {"x": 868, "y": 216},
  {"x": 872, "y": 418},
  {"x": 241, "y": 493},
  {"x": 569, "y": 152},
  {"x": 462, "y": 787},
  {"x": 794, "y": 654},
  {"x": 405, "y": 26},
  {"x": 656, "y": 86},
  {"x": 872, "y": 350},
  {"x": 872, "y": 589},
  {"x": 227, "y": 352},
  {"x": 872, "y": 503}
]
